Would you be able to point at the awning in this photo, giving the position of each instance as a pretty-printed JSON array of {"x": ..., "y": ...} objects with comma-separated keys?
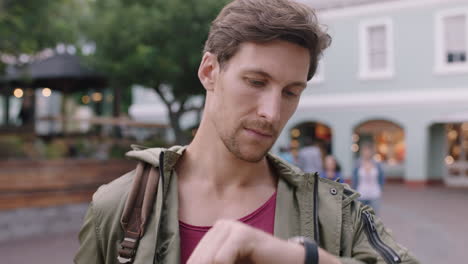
[{"x": 63, "y": 72}]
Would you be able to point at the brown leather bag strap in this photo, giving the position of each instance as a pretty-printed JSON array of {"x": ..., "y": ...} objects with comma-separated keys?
[{"x": 137, "y": 210}]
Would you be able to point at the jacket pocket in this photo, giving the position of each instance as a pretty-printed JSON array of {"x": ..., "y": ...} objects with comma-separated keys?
[{"x": 387, "y": 253}]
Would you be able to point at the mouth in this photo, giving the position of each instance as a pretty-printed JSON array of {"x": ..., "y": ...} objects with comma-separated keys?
[{"x": 259, "y": 133}]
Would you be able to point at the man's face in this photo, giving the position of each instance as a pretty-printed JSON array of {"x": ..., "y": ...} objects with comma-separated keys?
[{"x": 253, "y": 96}]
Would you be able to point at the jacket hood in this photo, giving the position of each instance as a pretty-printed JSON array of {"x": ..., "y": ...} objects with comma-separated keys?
[
  {"x": 151, "y": 155},
  {"x": 290, "y": 173}
]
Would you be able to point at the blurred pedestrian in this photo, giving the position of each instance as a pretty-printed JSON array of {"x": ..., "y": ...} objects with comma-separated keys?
[
  {"x": 285, "y": 153},
  {"x": 368, "y": 178},
  {"x": 26, "y": 114},
  {"x": 310, "y": 157},
  {"x": 331, "y": 169}
]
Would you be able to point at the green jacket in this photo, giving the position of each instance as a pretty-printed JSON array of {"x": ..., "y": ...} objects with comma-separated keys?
[{"x": 342, "y": 220}]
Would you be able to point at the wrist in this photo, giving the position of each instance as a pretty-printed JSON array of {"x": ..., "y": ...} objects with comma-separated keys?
[
  {"x": 272, "y": 250},
  {"x": 327, "y": 258},
  {"x": 311, "y": 250},
  {"x": 314, "y": 254}
]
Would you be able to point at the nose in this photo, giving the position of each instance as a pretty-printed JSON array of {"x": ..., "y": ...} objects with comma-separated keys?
[{"x": 269, "y": 107}]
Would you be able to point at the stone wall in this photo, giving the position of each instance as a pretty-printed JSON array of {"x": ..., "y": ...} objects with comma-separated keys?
[{"x": 26, "y": 222}]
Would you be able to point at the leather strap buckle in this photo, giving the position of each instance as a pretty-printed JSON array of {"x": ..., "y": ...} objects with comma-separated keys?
[
  {"x": 127, "y": 250},
  {"x": 124, "y": 260}
]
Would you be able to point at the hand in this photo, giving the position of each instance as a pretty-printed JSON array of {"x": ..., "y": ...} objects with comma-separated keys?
[{"x": 230, "y": 242}]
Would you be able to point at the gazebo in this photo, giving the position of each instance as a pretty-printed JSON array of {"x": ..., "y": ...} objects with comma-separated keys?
[{"x": 60, "y": 72}]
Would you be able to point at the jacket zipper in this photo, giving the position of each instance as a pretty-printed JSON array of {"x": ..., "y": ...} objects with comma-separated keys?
[{"x": 389, "y": 255}]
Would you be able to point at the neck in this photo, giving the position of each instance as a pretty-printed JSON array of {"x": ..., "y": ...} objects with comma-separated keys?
[{"x": 208, "y": 160}]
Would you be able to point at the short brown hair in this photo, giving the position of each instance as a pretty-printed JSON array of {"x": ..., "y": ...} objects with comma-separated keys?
[{"x": 263, "y": 21}]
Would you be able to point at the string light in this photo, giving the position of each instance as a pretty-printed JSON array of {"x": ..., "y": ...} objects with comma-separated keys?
[
  {"x": 18, "y": 92},
  {"x": 449, "y": 160},
  {"x": 46, "y": 92},
  {"x": 295, "y": 133},
  {"x": 85, "y": 99},
  {"x": 97, "y": 97}
]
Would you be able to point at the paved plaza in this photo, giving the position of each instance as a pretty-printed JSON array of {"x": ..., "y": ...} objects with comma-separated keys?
[{"x": 431, "y": 222}]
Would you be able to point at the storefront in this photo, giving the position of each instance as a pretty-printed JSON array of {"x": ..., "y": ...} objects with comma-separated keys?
[
  {"x": 456, "y": 160},
  {"x": 388, "y": 140},
  {"x": 319, "y": 134}
]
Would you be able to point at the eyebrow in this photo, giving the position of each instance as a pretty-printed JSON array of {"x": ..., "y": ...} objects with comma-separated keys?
[{"x": 266, "y": 75}]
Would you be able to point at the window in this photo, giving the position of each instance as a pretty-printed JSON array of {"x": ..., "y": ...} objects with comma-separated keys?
[
  {"x": 376, "y": 49},
  {"x": 451, "y": 41},
  {"x": 455, "y": 40}
]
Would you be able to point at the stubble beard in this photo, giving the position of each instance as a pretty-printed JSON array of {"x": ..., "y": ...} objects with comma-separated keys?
[{"x": 233, "y": 144}]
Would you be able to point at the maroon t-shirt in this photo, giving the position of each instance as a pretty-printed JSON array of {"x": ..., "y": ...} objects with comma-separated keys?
[{"x": 263, "y": 218}]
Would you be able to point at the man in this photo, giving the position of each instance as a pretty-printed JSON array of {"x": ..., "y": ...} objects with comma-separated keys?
[
  {"x": 224, "y": 198},
  {"x": 310, "y": 157}
]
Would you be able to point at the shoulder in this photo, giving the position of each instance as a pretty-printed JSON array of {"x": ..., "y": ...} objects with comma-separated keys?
[
  {"x": 110, "y": 198},
  {"x": 113, "y": 195},
  {"x": 105, "y": 211}
]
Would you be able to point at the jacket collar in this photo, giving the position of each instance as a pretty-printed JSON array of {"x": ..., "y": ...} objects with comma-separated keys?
[{"x": 288, "y": 172}]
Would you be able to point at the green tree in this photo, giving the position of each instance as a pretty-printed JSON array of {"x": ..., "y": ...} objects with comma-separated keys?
[
  {"x": 29, "y": 26},
  {"x": 154, "y": 43}
]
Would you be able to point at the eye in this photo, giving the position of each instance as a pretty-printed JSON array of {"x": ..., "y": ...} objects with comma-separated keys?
[
  {"x": 256, "y": 83},
  {"x": 290, "y": 93}
]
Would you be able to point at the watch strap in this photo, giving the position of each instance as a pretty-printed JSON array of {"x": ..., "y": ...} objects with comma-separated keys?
[{"x": 311, "y": 249}]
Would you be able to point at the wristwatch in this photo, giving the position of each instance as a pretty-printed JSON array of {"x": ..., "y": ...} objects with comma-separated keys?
[{"x": 311, "y": 249}]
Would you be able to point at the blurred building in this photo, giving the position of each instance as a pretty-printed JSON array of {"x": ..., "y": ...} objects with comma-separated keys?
[{"x": 396, "y": 74}]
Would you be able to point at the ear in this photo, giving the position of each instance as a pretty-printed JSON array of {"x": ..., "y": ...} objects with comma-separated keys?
[{"x": 208, "y": 70}]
